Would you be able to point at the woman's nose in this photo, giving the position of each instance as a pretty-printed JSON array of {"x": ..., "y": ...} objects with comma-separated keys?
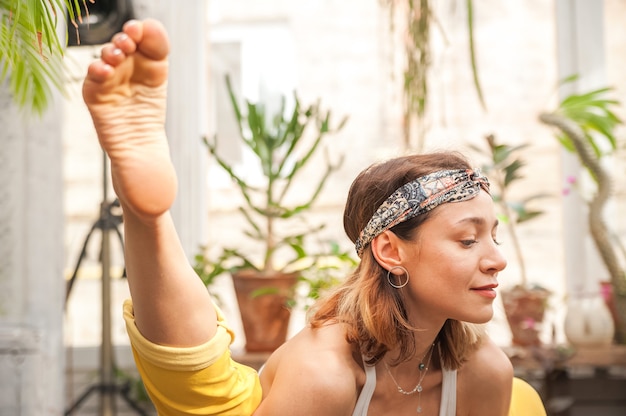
[{"x": 494, "y": 261}]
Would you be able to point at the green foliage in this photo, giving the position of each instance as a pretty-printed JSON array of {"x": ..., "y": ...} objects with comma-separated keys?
[
  {"x": 284, "y": 144},
  {"x": 208, "y": 271},
  {"x": 329, "y": 270},
  {"x": 30, "y": 50},
  {"x": 586, "y": 124},
  {"x": 415, "y": 19},
  {"x": 594, "y": 114},
  {"x": 320, "y": 272},
  {"x": 504, "y": 168}
]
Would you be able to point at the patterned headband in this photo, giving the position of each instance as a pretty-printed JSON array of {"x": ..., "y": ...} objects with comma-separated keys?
[{"x": 420, "y": 196}]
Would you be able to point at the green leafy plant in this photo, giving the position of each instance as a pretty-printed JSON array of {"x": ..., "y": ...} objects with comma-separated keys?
[
  {"x": 209, "y": 271},
  {"x": 320, "y": 273},
  {"x": 31, "y": 52},
  {"x": 330, "y": 269},
  {"x": 593, "y": 112},
  {"x": 585, "y": 125},
  {"x": 283, "y": 145},
  {"x": 284, "y": 270}
]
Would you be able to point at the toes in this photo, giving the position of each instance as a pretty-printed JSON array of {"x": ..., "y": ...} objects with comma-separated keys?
[
  {"x": 112, "y": 55},
  {"x": 124, "y": 43},
  {"x": 156, "y": 42},
  {"x": 147, "y": 36},
  {"x": 134, "y": 30},
  {"x": 99, "y": 71},
  {"x": 150, "y": 37},
  {"x": 144, "y": 45}
]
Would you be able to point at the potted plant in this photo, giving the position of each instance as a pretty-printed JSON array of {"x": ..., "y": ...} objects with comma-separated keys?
[
  {"x": 524, "y": 303},
  {"x": 330, "y": 268},
  {"x": 586, "y": 124},
  {"x": 282, "y": 144}
]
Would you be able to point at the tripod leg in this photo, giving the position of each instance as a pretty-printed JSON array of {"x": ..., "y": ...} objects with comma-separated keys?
[
  {"x": 81, "y": 399},
  {"x": 107, "y": 402},
  {"x": 125, "y": 393},
  {"x": 123, "y": 390},
  {"x": 81, "y": 257},
  {"x": 121, "y": 240},
  {"x": 120, "y": 237}
]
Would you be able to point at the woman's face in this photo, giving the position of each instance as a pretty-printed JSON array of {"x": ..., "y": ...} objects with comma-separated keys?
[{"x": 454, "y": 263}]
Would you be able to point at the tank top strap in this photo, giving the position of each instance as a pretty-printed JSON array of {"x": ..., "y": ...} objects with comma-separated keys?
[
  {"x": 448, "y": 393},
  {"x": 363, "y": 402}
]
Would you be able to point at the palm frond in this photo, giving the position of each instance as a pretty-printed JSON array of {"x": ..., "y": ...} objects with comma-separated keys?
[{"x": 31, "y": 53}]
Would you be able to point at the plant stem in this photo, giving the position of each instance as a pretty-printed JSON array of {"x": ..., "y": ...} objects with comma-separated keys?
[
  {"x": 269, "y": 245},
  {"x": 510, "y": 226}
]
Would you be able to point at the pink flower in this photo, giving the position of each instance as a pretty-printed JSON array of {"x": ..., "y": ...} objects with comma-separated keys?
[{"x": 570, "y": 181}]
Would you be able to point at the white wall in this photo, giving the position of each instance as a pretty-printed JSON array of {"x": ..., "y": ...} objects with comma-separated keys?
[{"x": 31, "y": 260}]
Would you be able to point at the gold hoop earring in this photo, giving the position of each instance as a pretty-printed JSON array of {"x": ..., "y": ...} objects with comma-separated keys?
[{"x": 406, "y": 272}]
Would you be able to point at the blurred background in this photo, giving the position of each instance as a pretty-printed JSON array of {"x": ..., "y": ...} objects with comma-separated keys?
[{"x": 435, "y": 75}]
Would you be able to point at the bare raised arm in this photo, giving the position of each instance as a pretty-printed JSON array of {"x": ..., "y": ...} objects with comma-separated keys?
[{"x": 125, "y": 91}]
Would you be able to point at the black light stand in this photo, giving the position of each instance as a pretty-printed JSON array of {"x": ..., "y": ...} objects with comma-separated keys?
[{"x": 107, "y": 386}]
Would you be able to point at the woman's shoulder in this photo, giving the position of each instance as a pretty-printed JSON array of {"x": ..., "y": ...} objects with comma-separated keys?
[
  {"x": 489, "y": 362},
  {"x": 486, "y": 377},
  {"x": 314, "y": 363},
  {"x": 323, "y": 349}
]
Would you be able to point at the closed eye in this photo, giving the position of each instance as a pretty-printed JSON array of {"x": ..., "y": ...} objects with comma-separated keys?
[{"x": 468, "y": 243}]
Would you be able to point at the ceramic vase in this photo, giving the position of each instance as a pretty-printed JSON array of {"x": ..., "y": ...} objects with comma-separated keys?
[{"x": 588, "y": 322}]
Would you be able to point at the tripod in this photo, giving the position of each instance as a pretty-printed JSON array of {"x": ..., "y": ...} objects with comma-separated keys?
[{"x": 107, "y": 222}]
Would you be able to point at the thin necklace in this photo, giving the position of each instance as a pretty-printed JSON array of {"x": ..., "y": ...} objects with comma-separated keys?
[{"x": 423, "y": 368}]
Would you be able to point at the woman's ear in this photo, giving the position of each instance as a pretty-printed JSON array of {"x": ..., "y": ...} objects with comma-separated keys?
[{"x": 386, "y": 249}]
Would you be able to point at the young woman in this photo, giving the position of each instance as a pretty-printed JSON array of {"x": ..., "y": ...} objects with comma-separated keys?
[{"x": 402, "y": 335}]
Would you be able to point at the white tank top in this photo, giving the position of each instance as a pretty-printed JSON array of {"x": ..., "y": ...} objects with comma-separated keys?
[{"x": 448, "y": 392}]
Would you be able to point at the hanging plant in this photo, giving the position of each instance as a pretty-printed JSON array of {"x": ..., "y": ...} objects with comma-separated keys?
[{"x": 415, "y": 18}]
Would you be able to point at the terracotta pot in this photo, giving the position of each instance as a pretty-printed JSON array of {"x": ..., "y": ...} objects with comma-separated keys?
[
  {"x": 525, "y": 310},
  {"x": 262, "y": 300}
]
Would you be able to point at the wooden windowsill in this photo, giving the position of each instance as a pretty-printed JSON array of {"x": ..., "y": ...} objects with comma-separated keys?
[{"x": 551, "y": 357}]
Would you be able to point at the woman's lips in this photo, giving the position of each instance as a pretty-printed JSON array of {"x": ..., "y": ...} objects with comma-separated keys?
[{"x": 487, "y": 291}]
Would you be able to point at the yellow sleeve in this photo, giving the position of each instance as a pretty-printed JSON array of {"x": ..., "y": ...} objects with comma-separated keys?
[
  {"x": 525, "y": 401},
  {"x": 200, "y": 380}
]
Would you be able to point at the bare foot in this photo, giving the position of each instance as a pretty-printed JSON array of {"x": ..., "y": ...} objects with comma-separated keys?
[{"x": 125, "y": 92}]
